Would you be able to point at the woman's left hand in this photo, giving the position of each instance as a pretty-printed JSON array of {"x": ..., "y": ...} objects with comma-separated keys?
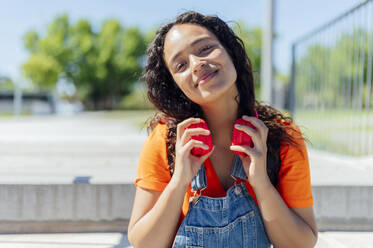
[{"x": 255, "y": 163}]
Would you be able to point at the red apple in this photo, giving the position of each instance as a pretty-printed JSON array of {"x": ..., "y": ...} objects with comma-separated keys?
[{"x": 206, "y": 139}]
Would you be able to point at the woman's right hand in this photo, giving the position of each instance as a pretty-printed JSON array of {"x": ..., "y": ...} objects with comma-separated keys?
[{"x": 186, "y": 164}]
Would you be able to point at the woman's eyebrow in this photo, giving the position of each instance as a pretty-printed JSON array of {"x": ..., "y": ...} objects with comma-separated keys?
[{"x": 191, "y": 44}]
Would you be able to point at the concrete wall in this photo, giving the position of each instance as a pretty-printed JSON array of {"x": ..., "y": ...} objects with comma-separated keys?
[
  {"x": 69, "y": 207},
  {"x": 344, "y": 207},
  {"x": 107, "y": 207}
]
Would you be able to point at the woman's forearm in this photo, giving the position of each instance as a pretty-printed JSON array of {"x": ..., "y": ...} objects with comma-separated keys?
[
  {"x": 158, "y": 227},
  {"x": 284, "y": 227}
]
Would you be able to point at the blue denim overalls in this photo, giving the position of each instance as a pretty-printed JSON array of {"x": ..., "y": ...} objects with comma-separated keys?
[{"x": 222, "y": 222}]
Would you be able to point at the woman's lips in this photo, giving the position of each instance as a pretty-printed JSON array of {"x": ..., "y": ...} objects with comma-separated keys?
[{"x": 206, "y": 79}]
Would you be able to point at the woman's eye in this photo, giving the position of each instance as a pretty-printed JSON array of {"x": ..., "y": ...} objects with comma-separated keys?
[
  {"x": 206, "y": 48},
  {"x": 179, "y": 66}
]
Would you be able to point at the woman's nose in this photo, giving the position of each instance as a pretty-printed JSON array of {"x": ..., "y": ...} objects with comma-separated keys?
[{"x": 197, "y": 63}]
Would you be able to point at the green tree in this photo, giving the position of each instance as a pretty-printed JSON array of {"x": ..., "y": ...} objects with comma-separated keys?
[
  {"x": 102, "y": 65},
  {"x": 252, "y": 39},
  {"x": 6, "y": 84}
]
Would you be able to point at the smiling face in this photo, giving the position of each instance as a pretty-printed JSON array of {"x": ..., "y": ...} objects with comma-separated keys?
[{"x": 199, "y": 64}]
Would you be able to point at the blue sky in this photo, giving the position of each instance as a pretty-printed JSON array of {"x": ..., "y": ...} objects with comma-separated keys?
[{"x": 292, "y": 19}]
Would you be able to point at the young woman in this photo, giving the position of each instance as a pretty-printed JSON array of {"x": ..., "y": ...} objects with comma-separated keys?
[{"x": 198, "y": 70}]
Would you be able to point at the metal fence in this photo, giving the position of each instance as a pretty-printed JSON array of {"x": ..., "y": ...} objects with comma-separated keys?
[{"x": 331, "y": 95}]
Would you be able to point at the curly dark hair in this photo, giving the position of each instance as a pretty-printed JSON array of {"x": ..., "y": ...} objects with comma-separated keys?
[{"x": 173, "y": 106}]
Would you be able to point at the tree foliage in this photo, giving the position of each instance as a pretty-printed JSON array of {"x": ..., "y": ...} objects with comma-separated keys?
[
  {"x": 103, "y": 65},
  {"x": 6, "y": 84},
  {"x": 252, "y": 39}
]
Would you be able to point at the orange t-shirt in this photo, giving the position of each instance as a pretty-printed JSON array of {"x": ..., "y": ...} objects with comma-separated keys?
[{"x": 294, "y": 182}]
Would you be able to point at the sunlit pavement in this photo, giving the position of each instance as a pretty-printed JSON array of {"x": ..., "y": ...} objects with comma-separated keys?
[
  {"x": 119, "y": 240},
  {"x": 59, "y": 149},
  {"x": 66, "y": 240},
  {"x": 345, "y": 240}
]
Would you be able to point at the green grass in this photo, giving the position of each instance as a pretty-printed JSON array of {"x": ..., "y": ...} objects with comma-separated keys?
[
  {"x": 11, "y": 114},
  {"x": 332, "y": 113},
  {"x": 336, "y": 124}
]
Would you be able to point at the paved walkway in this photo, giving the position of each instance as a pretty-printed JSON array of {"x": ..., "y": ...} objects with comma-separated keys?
[
  {"x": 57, "y": 150},
  {"x": 119, "y": 240},
  {"x": 65, "y": 240},
  {"x": 62, "y": 149},
  {"x": 345, "y": 240}
]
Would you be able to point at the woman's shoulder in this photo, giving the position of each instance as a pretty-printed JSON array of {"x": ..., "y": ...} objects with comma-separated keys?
[
  {"x": 292, "y": 129},
  {"x": 159, "y": 131},
  {"x": 152, "y": 170},
  {"x": 294, "y": 175},
  {"x": 155, "y": 143},
  {"x": 297, "y": 147}
]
